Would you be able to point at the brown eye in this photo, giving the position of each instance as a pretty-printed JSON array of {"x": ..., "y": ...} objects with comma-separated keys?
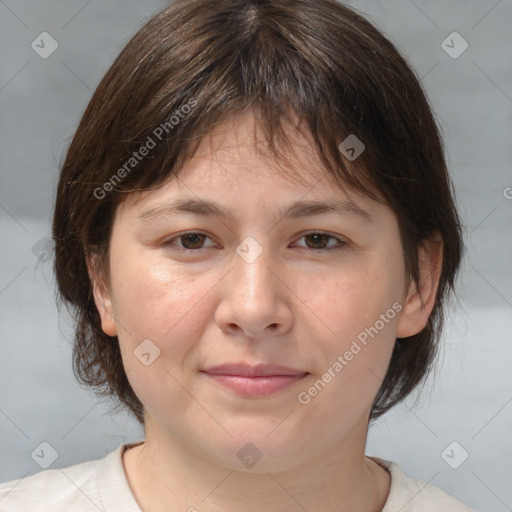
[
  {"x": 318, "y": 242},
  {"x": 192, "y": 240},
  {"x": 318, "y": 239},
  {"x": 187, "y": 242}
]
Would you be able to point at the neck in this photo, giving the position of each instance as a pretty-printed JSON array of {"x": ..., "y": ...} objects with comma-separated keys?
[{"x": 163, "y": 470}]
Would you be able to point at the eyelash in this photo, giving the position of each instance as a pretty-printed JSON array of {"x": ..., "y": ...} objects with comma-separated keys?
[{"x": 339, "y": 246}]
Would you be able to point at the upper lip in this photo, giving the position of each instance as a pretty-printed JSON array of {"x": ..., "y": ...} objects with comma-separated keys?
[{"x": 259, "y": 370}]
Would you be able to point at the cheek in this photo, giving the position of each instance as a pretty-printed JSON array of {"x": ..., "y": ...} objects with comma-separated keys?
[
  {"x": 355, "y": 297},
  {"x": 358, "y": 313},
  {"x": 170, "y": 308},
  {"x": 356, "y": 357},
  {"x": 155, "y": 300}
]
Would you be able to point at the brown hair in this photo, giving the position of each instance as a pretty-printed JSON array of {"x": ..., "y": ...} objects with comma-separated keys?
[{"x": 199, "y": 61}]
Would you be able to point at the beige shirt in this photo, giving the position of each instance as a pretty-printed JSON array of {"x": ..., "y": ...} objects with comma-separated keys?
[{"x": 101, "y": 485}]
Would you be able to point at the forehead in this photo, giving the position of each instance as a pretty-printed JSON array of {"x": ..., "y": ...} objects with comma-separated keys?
[{"x": 234, "y": 160}]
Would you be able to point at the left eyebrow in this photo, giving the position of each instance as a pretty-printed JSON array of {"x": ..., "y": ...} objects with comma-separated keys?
[{"x": 295, "y": 210}]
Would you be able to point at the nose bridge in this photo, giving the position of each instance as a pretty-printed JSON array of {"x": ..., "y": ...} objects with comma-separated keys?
[
  {"x": 253, "y": 299},
  {"x": 253, "y": 276}
]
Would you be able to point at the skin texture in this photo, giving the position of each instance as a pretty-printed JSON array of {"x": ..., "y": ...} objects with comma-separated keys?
[{"x": 290, "y": 306}]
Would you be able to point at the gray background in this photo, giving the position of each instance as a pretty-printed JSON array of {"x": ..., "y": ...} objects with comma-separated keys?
[{"x": 41, "y": 101}]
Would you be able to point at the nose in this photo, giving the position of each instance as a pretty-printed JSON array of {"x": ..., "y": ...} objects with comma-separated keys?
[{"x": 256, "y": 298}]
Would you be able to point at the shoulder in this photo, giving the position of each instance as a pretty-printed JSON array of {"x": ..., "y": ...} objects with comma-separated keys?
[
  {"x": 410, "y": 495},
  {"x": 69, "y": 488}
]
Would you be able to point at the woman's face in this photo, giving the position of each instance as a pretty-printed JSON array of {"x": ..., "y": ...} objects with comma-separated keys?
[{"x": 318, "y": 293}]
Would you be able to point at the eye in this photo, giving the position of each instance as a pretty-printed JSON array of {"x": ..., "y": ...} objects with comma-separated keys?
[
  {"x": 319, "y": 238},
  {"x": 191, "y": 241}
]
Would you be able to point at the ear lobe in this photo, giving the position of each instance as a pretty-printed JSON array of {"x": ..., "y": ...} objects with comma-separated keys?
[
  {"x": 102, "y": 298},
  {"x": 420, "y": 299}
]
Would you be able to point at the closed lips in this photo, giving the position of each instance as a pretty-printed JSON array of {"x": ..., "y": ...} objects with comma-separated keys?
[
  {"x": 255, "y": 381},
  {"x": 254, "y": 371}
]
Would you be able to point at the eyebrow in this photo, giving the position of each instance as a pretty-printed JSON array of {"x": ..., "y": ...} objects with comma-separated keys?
[{"x": 297, "y": 209}]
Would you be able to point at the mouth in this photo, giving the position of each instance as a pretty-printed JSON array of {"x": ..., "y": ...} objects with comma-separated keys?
[{"x": 254, "y": 381}]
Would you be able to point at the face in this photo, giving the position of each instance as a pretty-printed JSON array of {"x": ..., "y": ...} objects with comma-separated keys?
[{"x": 319, "y": 293}]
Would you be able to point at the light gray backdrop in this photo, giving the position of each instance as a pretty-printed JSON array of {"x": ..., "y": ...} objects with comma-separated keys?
[{"x": 41, "y": 100}]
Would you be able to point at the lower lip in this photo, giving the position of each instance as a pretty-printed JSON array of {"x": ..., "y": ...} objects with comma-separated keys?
[{"x": 257, "y": 386}]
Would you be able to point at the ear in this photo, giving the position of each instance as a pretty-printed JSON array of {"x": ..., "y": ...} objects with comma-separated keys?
[
  {"x": 420, "y": 299},
  {"x": 102, "y": 298}
]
